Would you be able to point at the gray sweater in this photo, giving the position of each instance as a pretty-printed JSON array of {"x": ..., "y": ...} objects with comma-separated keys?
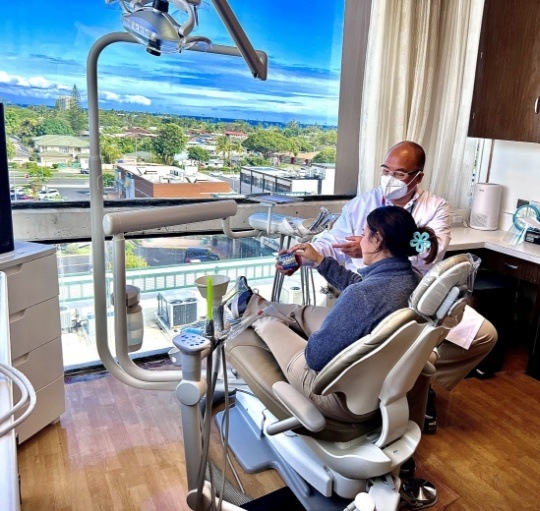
[{"x": 368, "y": 297}]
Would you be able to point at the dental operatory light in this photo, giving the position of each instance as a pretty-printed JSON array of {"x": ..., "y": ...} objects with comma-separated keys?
[{"x": 151, "y": 23}]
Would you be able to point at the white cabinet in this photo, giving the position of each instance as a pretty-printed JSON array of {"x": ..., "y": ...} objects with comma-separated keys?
[{"x": 35, "y": 333}]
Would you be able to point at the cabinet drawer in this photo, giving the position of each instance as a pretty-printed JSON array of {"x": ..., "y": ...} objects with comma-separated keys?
[
  {"x": 50, "y": 405},
  {"x": 41, "y": 366},
  {"x": 32, "y": 327},
  {"x": 513, "y": 266},
  {"x": 31, "y": 282}
]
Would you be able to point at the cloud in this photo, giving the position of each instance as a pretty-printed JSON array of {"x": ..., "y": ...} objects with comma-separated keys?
[
  {"x": 34, "y": 86},
  {"x": 39, "y": 82},
  {"x": 135, "y": 99}
]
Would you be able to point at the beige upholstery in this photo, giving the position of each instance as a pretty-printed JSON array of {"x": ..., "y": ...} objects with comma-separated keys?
[
  {"x": 250, "y": 356},
  {"x": 374, "y": 374}
]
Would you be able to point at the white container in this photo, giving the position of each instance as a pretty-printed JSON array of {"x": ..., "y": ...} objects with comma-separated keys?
[{"x": 486, "y": 207}]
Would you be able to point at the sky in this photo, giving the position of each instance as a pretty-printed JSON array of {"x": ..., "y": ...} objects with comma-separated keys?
[{"x": 45, "y": 47}]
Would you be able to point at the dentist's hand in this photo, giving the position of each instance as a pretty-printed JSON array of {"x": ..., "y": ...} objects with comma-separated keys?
[{"x": 352, "y": 248}]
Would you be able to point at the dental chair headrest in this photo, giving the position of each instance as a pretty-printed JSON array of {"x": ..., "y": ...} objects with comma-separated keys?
[{"x": 448, "y": 283}]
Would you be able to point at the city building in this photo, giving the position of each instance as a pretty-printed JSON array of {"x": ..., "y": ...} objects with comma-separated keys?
[
  {"x": 304, "y": 181},
  {"x": 165, "y": 181},
  {"x": 62, "y": 102},
  {"x": 61, "y": 149}
]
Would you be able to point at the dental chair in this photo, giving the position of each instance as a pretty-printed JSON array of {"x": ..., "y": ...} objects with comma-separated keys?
[{"x": 327, "y": 463}]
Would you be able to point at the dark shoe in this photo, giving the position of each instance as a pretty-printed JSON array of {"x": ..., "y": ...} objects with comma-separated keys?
[
  {"x": 238, "y": 303},
  {"x": 481, "y": 374},
  {"x": 430, "y": 421}
]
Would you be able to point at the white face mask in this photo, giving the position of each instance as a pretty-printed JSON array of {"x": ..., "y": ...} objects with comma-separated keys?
[{"x": 393, "y": 188}]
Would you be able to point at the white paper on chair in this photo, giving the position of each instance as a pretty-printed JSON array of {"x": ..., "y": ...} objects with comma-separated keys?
[{"x": 464, "y": 333}]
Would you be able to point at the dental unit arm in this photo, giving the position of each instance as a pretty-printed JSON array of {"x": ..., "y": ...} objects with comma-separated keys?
[
  {"x": 287, "y": 227},
  {"x": 275, "y": 224}
]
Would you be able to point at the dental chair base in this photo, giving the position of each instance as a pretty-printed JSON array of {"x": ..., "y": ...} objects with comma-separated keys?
[{"x": 320, "y": 486}]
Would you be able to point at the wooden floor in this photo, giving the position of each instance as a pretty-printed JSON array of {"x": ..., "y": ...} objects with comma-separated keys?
[{"x": 119, "y": 448}]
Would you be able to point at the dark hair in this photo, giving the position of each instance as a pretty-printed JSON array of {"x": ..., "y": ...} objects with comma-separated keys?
[{"x": 396, "y": 228}]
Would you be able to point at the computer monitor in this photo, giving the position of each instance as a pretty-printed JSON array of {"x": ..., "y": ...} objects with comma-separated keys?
[{"x": 6, "y": 220}]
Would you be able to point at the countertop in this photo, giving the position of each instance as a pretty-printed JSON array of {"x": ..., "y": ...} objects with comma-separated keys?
[{"x": 465, "y": 238}]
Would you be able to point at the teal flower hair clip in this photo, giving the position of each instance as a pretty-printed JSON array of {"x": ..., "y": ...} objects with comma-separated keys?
[{"x": 420, "y": 241}]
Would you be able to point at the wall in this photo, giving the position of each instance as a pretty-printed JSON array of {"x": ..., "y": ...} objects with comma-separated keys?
[{"x": 516, "y": 166}]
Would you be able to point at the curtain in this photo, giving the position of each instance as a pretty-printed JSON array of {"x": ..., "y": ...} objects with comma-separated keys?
[
  {"x": 418, "y": 86},
  {"x": 451, "y": 155}
]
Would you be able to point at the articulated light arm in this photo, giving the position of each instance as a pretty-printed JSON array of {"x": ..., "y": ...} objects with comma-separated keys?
[
  {"x": 255, "y": 61},
  {"x": 152, "y": 25},
  {"x": 116, "y": 224},
  {"x": 96, "y": 217}
]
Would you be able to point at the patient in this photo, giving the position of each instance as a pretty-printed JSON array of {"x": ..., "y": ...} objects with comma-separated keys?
[{"x": 303, "y": 339}]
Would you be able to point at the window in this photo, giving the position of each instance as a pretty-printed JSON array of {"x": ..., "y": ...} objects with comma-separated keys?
[
  {"x": 227, "y": 118},
  {"x": 216, "y": 102}
]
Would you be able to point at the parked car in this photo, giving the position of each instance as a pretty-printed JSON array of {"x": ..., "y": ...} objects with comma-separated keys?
[
  {"x": 196, "y": 255},
  {"x": 19, "y": 195},
  {"x": 49, "y": 194}
]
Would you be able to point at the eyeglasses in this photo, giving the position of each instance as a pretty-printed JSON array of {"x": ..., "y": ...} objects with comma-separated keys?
[{"x": 397, "y": 173}]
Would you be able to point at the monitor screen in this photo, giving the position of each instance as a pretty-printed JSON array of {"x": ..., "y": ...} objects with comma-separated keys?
[{"x": 6, "y": 221}]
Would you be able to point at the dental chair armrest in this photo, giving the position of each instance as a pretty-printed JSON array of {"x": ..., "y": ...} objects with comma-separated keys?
[
  {"x": 434, "y": 356},
  {"x": 429, "y": 369},
  {"x": 303, "y": 410}
]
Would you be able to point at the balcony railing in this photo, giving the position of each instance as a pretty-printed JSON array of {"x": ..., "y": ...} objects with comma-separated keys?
[{"x": 149, "y": 280}]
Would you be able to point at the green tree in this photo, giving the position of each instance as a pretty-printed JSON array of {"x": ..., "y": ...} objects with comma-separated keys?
[
  {"x": 254, "y": 161},
  {"x": 39, "y": 176},
  {"x": 170, "y": 140},
  {"x": 11, "y": 150},
  {"x": 108, "y": 179},
  {"x": 133, "y": 261},
  {"x": 325, "y": 156},
  {"x": 225, "y": 146},
  {"x": 54, "y": 126},
  {"x": 110, "y": 152},
  {"x": 76, "y": 116},
  {"x": 266, "y": 142},
  {"x": 292, "y": 129},
  {"x": 198, "y": 154}
]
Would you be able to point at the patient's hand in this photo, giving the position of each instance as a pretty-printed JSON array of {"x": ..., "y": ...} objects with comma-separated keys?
[
  {"x": 288, "y": 271},
  {"x": 307, "y": 251},
  {"x": 352, "y": 248}
]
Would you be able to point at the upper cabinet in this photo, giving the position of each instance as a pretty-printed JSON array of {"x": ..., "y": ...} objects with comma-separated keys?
[{"x": 506, "y": 98}]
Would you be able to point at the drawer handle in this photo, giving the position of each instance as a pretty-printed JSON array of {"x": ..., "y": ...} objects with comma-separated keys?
[
  {"x": 17, "y": 316},
  {"x": 20, "y": 361},
  {"x": 511, "y": 266}
]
